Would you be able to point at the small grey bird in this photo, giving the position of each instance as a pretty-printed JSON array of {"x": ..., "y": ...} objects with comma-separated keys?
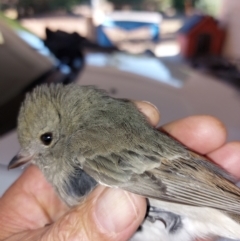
[{"x": 80, "y": 137}]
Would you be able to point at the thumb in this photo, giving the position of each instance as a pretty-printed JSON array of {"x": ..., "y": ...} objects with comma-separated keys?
[{"x": 107, "y": 214}]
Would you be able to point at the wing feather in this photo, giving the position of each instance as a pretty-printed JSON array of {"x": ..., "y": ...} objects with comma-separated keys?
[
  {"x": 189, "y": 186},
  {"x": 180, "y": 181}
]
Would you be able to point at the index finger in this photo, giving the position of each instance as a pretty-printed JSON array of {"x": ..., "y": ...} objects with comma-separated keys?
[
  {"x": 202, "y": 133},
  {"x": 149, "y": 110}
]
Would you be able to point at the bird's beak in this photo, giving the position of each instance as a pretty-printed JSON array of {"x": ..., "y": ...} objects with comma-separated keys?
[{"x": 19, "y": 160}]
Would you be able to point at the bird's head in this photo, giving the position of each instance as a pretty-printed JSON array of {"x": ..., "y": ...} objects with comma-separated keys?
[{"x": 39, "y": 126}]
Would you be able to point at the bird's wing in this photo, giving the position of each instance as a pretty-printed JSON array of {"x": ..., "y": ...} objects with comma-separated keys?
[
  {"x": 185, "y": 183},
  {"x": 179, "y": 180},
  {"x": 154, "y": 165}
]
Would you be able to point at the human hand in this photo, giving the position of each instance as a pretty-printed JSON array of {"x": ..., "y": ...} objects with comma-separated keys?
[
  {"x": 207, "y": 136},
  {"x": 107, "y": 214}
]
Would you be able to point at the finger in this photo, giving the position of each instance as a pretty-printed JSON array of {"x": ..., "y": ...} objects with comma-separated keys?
[
  {"x": 108, "y": 214},
  {"x": 111, "y": 213},
  {"x": 32, "y": 235},
  {"x": 202, "y": 134},
  {"x": 30, "y": 194},
  {"x": 149, "y": 110},
  {"x": 228, "y": 156}
]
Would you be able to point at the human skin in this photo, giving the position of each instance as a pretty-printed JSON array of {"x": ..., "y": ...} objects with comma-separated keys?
[{"x": 30, "y": 210}]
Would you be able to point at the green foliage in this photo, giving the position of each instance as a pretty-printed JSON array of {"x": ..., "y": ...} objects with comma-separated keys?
[
  {"x": 133, "y": 3},
  {"x": 46, "y": 5},
  {"x": 178, "y": 5},
  {"x": 63, "y": 3},
  {"x": 210, "y": 7},
  {"x": 165, "y": 4}
]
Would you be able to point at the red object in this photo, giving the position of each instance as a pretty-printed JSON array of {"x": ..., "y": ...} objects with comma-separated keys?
[{"x": 201, "y": 35}]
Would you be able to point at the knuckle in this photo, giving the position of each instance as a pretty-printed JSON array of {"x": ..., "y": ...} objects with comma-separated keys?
[{"x": 69, "y": 228}]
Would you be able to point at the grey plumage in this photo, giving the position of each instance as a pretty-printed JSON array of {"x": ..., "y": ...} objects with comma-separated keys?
[{"x": 99, "y": 139}]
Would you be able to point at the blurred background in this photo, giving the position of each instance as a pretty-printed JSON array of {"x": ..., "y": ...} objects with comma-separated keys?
[{"x": 181, "y": 55}]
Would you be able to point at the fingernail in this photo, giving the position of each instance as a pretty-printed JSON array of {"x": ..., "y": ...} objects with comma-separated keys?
[
  {"x": 115, "y": 210},
  {"x": 149, "y": 103}
]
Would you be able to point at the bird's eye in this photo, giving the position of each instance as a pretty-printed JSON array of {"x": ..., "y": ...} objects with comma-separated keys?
[{"x": 46, "y": 138}]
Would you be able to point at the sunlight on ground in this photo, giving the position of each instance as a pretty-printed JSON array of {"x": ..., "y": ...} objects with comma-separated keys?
[{"x": 165, "y": 49}]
